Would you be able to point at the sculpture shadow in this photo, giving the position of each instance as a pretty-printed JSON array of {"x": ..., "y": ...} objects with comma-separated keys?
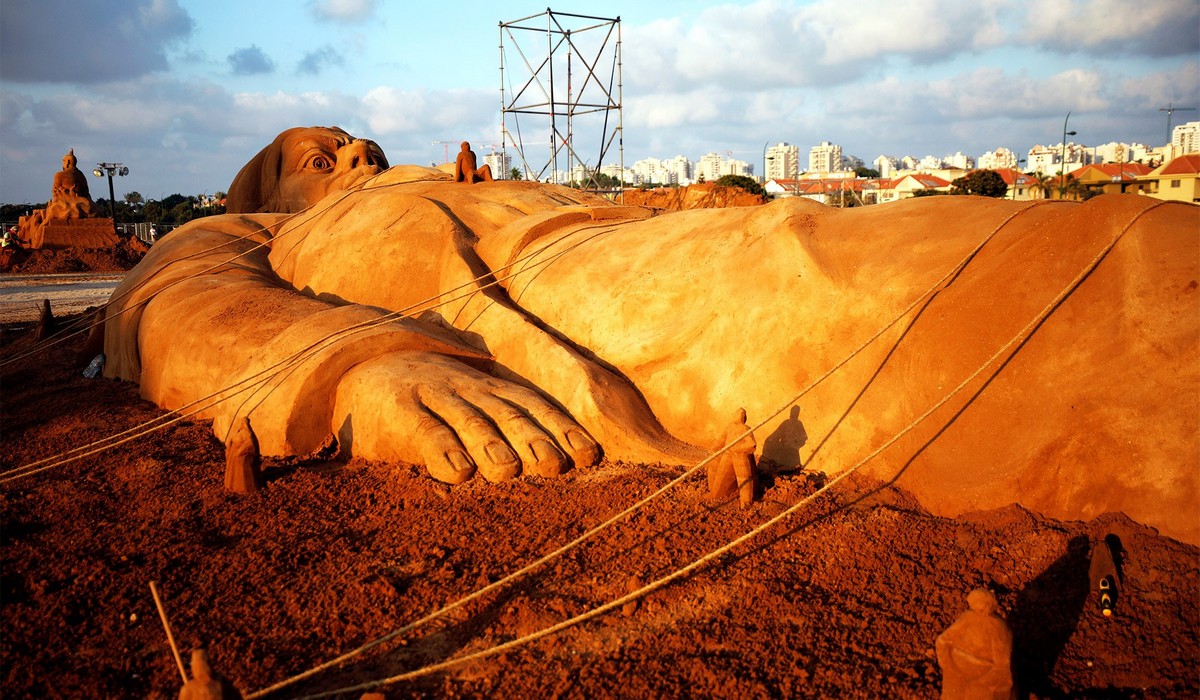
[
  {"x": 781, "y": 449},
  {"x": 1044, "y": 617}
]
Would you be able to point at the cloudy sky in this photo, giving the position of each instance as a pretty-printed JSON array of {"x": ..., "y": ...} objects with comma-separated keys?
[{"x": 184, "y": 92}]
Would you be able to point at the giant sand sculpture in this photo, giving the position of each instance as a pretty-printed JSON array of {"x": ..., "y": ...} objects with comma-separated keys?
[
  {"x": 70, "y": 219},
  {"x": 547, "y": 325}
]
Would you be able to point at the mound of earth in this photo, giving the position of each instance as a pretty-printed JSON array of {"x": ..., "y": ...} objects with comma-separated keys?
[
  {"x": 698, "y": 196},
  {"x": 844, "y": 599},
  {"x": 127, "y": 253}
]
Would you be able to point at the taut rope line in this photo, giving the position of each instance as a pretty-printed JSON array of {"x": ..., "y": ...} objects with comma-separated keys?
[
  {"x": 666, "y": 487},
  {"x": 472, "y": 287},
  {"x": 684, "y": 571}
]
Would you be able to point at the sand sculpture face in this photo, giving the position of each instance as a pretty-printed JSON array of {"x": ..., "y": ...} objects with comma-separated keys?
[
  {"x": 640, "y": 334},
  {"x": 301, "y": 167}
]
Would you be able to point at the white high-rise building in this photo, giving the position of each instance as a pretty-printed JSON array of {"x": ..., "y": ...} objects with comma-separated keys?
[
  {"x": 1048, "y": 160},
  {"x": 824, "y": 158},
  {"x": 930, "y": 163},
  {"x": 680, "y": 170},
  {"x": 851, "y": 162},
  {"x": 712, "y": 166},
  {"x": 783, "y": 162},
  {"x": 958, "y": 160},
  {"x": 910, "y": 163},
  {"x": 652, "y": 171},
  {"x": 999, "y": 158},
  {"x": 1185, "y": 138},
  {"x": 886, "y": 165},
  {"x": 500, "y": 163}
]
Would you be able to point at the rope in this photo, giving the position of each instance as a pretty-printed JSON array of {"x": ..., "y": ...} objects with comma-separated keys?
[
  {"x": 473, "y": 287},
  {"x": 634, "y": 507},
  {"x": 720, "y": 551},
  {"x": 56, "y": 339}
]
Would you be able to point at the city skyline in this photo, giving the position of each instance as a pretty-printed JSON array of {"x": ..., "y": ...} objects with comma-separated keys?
[{"x": 189, "y": 91}]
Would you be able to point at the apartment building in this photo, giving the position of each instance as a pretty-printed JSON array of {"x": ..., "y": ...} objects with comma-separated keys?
[
  {"x": 782, "y": 161},
  {"x": 825, "y": 158}
]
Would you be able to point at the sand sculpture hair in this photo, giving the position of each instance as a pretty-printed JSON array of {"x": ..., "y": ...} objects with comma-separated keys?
[{"x": 614, "y": 329}]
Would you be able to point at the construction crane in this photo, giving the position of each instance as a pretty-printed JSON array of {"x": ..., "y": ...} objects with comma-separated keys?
[
  {"x": 1171, "y": 109},
  {"x": 445, "y": 149}
]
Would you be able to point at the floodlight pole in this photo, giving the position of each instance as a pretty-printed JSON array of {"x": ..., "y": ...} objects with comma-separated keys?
[{"x": 111, "y": 169}]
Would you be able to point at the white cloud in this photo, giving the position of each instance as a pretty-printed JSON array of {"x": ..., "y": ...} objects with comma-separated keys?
[
  {"x": 343, "y": 10},
  {"x": 1114, "y": 27}
]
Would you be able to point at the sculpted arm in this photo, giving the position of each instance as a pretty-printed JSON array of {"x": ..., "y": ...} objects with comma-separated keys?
[{"x": 204, "y": 318}]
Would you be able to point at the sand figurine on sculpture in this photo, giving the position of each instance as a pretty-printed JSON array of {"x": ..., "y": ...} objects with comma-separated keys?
[
  {"x": 465, "y": 167},
  {"x": 734, "y": 472},
  {"x": 546, "y": 326},
  {"x": 975, "y": 653}
]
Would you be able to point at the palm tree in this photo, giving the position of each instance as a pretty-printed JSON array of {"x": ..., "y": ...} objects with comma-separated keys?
[
  {"x": 1075, "y": 189},
  {"x": 1042, "y": 183}
]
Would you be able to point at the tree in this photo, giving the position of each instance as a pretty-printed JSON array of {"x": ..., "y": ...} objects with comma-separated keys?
[
  {"x": 515, "y": 174},
  {"x": 864, "y": 171},
  {"x": 746, "y": 183},
  {"x": 133, "y": 199},
  {"x": 988, "y": 183},
  {"x": 1075, "y": 189},
  {"x": 1042, "y": 183}
]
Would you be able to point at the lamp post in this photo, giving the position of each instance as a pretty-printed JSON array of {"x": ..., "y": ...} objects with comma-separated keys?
[
  {"x": 1062, "y": 181},
  {"x": 765, "y": 161},
  {"x": 1017, "y": 173},
  {"x": 111, "y": 169}
]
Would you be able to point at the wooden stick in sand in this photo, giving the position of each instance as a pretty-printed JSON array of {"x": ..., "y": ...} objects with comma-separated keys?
[{"x": 162, "y": 614}]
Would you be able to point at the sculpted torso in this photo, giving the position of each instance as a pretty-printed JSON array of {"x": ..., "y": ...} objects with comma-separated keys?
[{"x": 636, "y": 335}]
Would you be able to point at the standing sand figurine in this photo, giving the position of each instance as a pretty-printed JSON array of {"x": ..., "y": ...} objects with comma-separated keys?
[
  {"x": 207, "y": 684},
  {"x": 243, "y": 463},
  {"x": 975, "y": 653},
  {"x": 734, "y": 471},
  {"x": 465, "y": 167}
]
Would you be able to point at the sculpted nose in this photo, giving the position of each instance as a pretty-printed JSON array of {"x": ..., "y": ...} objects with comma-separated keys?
[{"x": 357, "y": 154}]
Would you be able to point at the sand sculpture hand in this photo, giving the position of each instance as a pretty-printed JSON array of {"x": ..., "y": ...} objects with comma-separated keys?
[
  {"x": 389, "y": 389},
  {"x": 456, "y": 420}
]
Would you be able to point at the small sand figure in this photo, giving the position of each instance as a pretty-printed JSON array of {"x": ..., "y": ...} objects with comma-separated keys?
[
  {"x": 47, "y": 325},
  {"x": 206, "y": 684},
  {"x": 1103, "y": 573},
  {"x": 734, "y": 471},
  {"x": 975, "y": 653},
  {"x": 465, "y": 169},
  {"x": 243, "y": 463}
]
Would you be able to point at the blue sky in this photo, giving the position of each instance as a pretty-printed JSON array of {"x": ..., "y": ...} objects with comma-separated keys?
[{"x": 186, "y": 91}]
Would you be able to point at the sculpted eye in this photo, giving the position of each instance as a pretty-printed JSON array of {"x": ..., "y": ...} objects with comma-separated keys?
[{"x": 319, "y": 161}]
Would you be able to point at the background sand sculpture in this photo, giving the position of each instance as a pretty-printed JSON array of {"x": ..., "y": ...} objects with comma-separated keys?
[
  {"x": 645, "y": 331},
  {"x": 70, "y": 217}
]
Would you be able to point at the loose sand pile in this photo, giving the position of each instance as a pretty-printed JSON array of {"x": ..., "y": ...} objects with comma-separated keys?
[{"x": 843, "y": 600}]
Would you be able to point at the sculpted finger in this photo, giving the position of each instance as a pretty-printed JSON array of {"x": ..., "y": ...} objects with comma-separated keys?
[
  {"x": 582, "y": 448},
  {"x": 493, "y": 457}
]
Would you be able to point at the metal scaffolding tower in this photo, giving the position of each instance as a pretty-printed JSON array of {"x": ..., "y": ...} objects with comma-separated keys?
[{"x": 578, "y": 109}]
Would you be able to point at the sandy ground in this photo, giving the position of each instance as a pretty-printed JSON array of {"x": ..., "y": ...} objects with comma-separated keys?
[
  {"x": 844, "y": 599},
  {"x": 69, "y": 293}
]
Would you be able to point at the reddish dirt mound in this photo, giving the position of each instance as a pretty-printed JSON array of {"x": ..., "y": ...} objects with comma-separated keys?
[
  {"x": 123, "y": 256},
  {"x": 843, "y": 600},
  {"x": 700, "y": 196}
]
